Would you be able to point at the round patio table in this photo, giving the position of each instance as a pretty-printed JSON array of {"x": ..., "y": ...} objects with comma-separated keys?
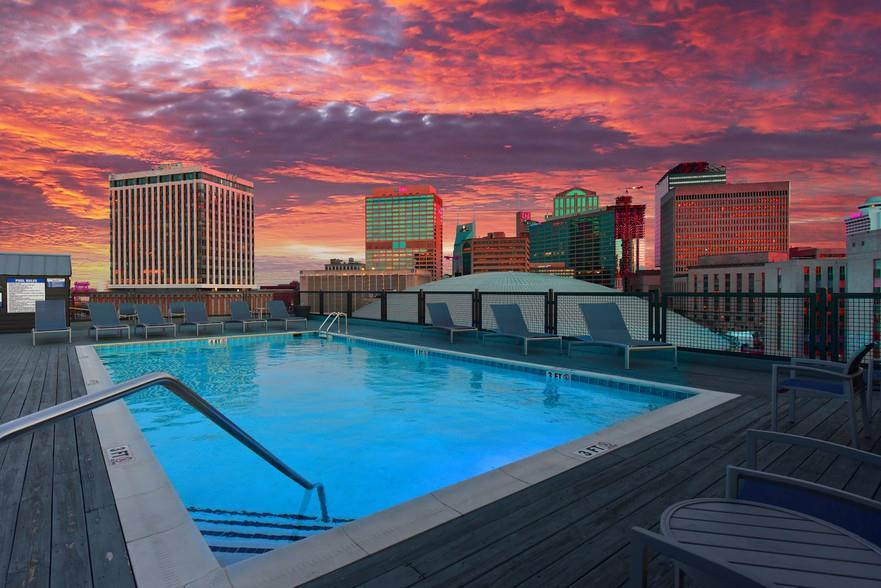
[{"x": 773, "y": 544}]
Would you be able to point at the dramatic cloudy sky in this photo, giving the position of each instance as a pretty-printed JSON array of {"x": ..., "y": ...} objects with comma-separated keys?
[{"x": 498, "y": 104}]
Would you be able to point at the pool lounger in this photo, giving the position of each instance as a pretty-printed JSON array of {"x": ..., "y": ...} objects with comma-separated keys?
[
  {"x": 196, "y": 315},
  {"x": 104, "y": 318},
  {"x": 509, "y": 320},
  {"x": 278, "y": 312},
  {"x": 241, "y": 313},
  {"x": 150, "y": 317},
  {"x": 441, "y": 319},
  {"x": 607, "y": 327}
]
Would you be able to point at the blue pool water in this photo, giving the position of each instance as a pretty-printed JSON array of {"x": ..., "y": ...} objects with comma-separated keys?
[{"x": 378, "y": 425}]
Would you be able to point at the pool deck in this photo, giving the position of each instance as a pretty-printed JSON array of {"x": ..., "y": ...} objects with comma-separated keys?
[{"x": 59, "y": 524}]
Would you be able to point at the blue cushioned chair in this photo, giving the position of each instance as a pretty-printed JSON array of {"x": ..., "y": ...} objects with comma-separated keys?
[{"x": 825, "y": 378}]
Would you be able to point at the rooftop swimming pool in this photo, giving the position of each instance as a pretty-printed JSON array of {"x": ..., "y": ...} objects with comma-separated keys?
[{"x": 378, "y": 424}]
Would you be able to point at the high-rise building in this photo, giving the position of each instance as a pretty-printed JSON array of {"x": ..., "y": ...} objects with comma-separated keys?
[
  {"x": 575, "y": 201},
  {"x": 629, "y": 236},
  {"x": 714, "y": 219},
  {"x": 461, "y": 261},
  {"x": 867, "y": 218},
  {"x": 584, "y": 243},
  {"x": 181, "y": 226},
  {"x": 683, "y": 174},
  {"x": 356, "y": 286},
  {"x": 342, "y": 265},
  {"x": 404, "y": 229},
  {"x": 524, "y": 219},
  {"x": 498, "y": 253}
]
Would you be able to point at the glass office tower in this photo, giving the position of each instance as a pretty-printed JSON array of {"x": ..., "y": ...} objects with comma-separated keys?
[{"x": 404, "y": 229}]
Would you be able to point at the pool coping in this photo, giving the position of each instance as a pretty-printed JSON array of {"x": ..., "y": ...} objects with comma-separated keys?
[{"x": 166, "y": 548}]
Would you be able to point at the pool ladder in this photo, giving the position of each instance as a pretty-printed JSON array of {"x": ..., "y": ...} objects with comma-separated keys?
[
  {"x": 48, "y": 416},
  {"x": 330, "y": 320}
]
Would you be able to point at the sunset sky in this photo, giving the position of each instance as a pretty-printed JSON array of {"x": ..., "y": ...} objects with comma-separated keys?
[{"x": 497, "y": 104}]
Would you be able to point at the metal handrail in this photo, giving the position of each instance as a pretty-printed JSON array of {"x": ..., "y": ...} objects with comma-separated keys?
[
  {"x": 89, "y": 402},
  {"x": 334, "y": 318}
]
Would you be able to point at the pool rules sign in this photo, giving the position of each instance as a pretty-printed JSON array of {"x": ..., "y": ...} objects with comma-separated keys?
[{"x": 23, "y": 293}]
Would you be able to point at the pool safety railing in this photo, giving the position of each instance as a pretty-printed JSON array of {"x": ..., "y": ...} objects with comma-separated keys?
[
  {"x": 48, "y": 416},
  {"x": 334, "y": 318}
]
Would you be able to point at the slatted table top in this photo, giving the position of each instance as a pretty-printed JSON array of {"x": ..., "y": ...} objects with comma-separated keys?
[{"x": 773, "y": 544}]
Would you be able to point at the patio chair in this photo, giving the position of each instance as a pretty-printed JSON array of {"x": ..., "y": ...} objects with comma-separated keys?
[
  {"x": 855, "y": 513},
  {"x": 240, "y": 312},
  {"x": 176, "y": 310},
  {"x": 278, "y": 312},
  {"x": 441, "y": 319},
  {"x": 50, "y": 317},
  {"x": 510, "y": 323},
  {"x": 104, "y": 318},
  {"x": 607, "y": 327},
  {"x": 825, "y": 378},
  {"x": 703, "y": 569},
  {"x": 196, "y": 315},
  {"x": 127, "y": 311},
  {"x": 150, "y": 317}
]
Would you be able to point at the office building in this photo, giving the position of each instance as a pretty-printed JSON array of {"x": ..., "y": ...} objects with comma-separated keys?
[
  {"x": 181, "y": 226},
  {"x": 404, "y": 229},
  {"x": 629, "y": 237},
  {"x": 683, "y": 174},
  {"x": 575, "y": 201},
  {"x": 583, "y": 243},
  {"x": 497, "y": 253},
  {"x": 524, "y": 220},
  {"x": 461, "y": 261},
  {"x": 698, "y": 220},
  {"x": 867, "y": 218}
]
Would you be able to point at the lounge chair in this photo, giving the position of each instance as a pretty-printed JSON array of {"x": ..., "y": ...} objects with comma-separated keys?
[
  {"x": 196, "y": 315},
  {"x": 104, "y": 318},
  {"x": 176, "y": 310},
  {"x": 278, "y": 312},
  {"x": 50, "y": 317},
  {"x": 607, "y": 327},
  {"x": 241, "y": 313},
  {"x": 150, "y": 317},
  {"x": 441, "y": 319},
  {"x": 127, "y": 311},
  {"x": 510, "y": 323},
  {"x": 825, "y": 378}
]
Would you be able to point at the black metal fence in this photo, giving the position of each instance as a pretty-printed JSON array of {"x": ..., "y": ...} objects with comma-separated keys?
[{"x": 823, "y": 325}]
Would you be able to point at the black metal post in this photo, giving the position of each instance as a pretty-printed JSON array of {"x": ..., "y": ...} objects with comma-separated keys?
[
  {"x": 383, "y": 306},
  {"x": 476, "y": 309},
  {"x": 665, "y": 303},
  {"x": 348, "y": 304},
  {"x": 321, "y": 302},
  {"x": 550, "y": 312},
  {"x": 420, "y": 307}
]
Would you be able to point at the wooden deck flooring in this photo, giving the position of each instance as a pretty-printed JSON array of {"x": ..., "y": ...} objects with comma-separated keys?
[
  {"x": 59, "y": 525},
  {"x": 58, "y": 519}
]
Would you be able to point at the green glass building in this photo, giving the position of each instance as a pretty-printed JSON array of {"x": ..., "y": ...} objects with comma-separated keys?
[
  {"x": 404, "y": 229},
  {"x": 575, "y": 201},
  {"x": 584, "y": 242}
]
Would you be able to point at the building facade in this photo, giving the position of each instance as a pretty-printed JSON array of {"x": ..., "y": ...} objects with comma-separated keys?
[
  {"x": 404, "y": 229},
  {"x": 629, "y": 238},
  {"x": 524, "y": 219},
  {"x": 364, "y": 284},
  {"x": 497, "y": 253},
  {"x": 575, "y": 201},
  {"x": 867, "y": 218},
  {"x": 700, "y": 220},
  {"x": 461, "y": 261},
  {"x": 340, "y": 265},
  {"x": 583, "y": 243},
  {"x": 683, "y": 174},
  {"x": 181, "y": 226}
]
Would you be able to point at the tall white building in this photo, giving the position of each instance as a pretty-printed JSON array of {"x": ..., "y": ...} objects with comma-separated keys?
[{"x": 181, "y": 226}]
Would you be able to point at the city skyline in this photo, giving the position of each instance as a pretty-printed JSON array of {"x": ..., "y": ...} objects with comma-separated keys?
[{"x": 498, "y": 106}]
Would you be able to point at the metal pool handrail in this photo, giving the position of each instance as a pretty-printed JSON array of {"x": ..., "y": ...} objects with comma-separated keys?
[
  {"x": 334, "y": 317},
  {"x": 47, "y": 416}
]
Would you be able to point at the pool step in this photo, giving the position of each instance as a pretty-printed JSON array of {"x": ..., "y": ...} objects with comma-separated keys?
[{"x": 234, "y": 535}]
